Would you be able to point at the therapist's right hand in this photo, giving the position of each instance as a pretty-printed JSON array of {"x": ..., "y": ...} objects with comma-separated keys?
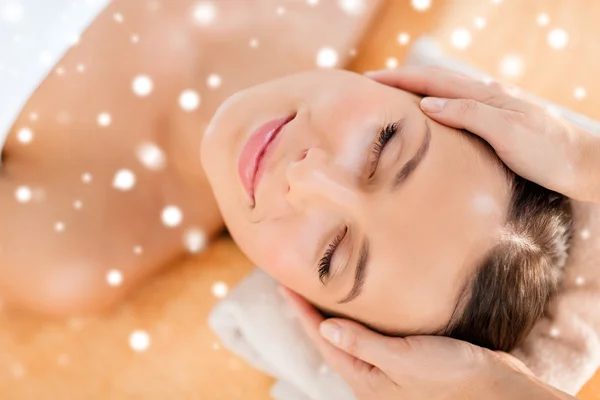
[
  {"x": 527, "y": 138},
  {"x": 377, "y": 367}
]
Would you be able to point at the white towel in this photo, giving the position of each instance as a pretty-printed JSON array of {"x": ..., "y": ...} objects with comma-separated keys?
[
  {"x": 254, "y": 320},
  {"x": 34, "y": 36},
  {"x": 256, "y": 323}
]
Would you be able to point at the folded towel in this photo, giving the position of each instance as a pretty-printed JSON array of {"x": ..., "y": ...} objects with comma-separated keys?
[{"x": 254, "y": 321}]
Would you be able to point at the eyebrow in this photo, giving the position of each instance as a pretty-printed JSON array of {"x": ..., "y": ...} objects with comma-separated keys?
[
  {"x": 360, "y": 273},
  {"x": 402, "y": 176},
  {"x": 411, "y": 165}
]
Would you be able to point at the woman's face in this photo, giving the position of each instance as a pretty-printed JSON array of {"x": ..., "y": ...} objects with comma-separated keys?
[{"x": 387, "y": 232}]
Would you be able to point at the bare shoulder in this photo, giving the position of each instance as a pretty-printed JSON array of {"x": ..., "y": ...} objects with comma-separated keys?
[{"x": 67, "y": 228}]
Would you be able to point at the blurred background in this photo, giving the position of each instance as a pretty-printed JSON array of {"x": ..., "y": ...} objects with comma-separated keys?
[{"x": 154, "y": 342}]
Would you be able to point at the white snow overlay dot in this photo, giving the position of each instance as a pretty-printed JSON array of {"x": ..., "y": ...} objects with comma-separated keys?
[
  {"x": 558, "y": 38},
  {"x": 579, "y": 93},
  {"x": 114, "y": 277},
  {"x": 139, "y": 340},
  {"x": 124, "y": 180},
  {"x": 220, "y": 289},
  {"x": 25, "y": 135},
  {"x": 171, "y": 216},
  {"x": 104, "y": 119},
  {"x": 403, "y": 38},
  {"x": 327, "y": 57},
  {"x": 189, "y": 100},
  {"x": 511, "y": 66},
  {"x": 352, "y": 7},
  {"x": 205, "y": 13},
  {"x": 391, "y": 62},
  {"x": 543, "y": 19},
  {"x": 151, "y": 156},
  {"x": 479, "y": 22},
  {"x": 461, "y": 38},
  {"x": 142, "y": 85},
  {"x": 213, "y": 81},
  {"x": 23, "y": 194},
  {"x": 195, "y": 240},
  {"x": 421, "y": 5}
]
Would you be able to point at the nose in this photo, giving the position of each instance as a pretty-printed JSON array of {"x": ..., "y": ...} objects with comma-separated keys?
[{"x": 316, "y": 181}]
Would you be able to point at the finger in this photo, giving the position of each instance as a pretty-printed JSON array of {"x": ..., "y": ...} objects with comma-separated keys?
[
  {"x": 514, "y": 362},
  {"x": 439, "y": 83},
  {"x": 378, "y": 350},
  {"x": 350, "y": 368},
  {"x": 496, "y": 126},
  {"x": 387, "y": 73}
]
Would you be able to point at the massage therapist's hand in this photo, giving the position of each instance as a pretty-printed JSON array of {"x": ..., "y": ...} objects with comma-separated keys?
[
  {"x": 377, "y": 367},
  {"x": 533, "y": 143}
]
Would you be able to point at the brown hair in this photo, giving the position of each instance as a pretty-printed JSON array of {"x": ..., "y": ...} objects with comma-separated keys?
[{"x": 511, "y": 289}]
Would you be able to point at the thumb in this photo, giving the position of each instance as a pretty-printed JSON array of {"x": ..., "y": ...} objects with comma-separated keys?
[
  {"x": 492, "y": 124},
  {"x": 514, "y": 362},
  {"x": 364, "y": 344}
]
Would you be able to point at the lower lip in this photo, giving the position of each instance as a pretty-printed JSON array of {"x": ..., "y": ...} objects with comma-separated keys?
[{"x": 254, "y": 150}]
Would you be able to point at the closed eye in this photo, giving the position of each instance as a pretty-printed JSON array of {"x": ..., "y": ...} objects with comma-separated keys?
[
  {"x": 386, "y": 134},
  {"x": 325, "y": 262}
]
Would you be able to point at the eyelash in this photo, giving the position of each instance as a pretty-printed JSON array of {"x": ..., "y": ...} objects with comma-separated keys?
[
  {"x": 325, "y": 262},
  {"x": 386, "y": 134}
]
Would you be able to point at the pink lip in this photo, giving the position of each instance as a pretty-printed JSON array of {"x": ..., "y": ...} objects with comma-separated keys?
[{"x": 254, "y": 150}]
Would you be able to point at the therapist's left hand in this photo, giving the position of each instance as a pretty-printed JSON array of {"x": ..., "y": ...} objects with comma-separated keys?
[{"x": 411, "y": 368}]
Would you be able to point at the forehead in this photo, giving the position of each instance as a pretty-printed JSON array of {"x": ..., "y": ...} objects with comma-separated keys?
[{"x": 336, "y": 87}]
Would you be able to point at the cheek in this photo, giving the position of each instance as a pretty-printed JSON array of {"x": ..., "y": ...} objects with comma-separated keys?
[
  {"x": 215, "y": 156},
  {"x": 286, "y": 250},
  {"x": 267, "y": 246}
]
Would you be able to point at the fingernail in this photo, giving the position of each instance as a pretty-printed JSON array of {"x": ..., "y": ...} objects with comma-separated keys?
[
  {"x": 331, "y": 331},
  {"x": 432, "y": 104}
]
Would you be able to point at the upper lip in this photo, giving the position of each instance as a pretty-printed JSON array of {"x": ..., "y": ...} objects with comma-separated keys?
[{"x": 253, "y": 152}]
